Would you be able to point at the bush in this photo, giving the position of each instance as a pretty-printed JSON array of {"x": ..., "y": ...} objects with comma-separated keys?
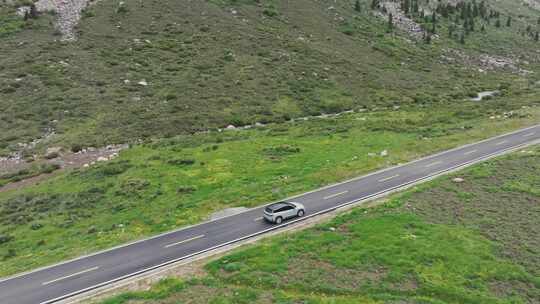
[
  {"x": 181, "y": 162},
  {"x": 10, "y": 254},
  {"x": 112, "y": 169},
  {"x": 4, "y": 238},
  {"x": 281, "y": 150},
  {"x": 186, "y": 189},
  {"x": 36, "y": 226}
]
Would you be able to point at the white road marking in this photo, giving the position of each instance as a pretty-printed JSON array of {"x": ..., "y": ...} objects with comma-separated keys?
[
  {"x": 470, "y": 152},
  {"x": 184, "y": 241},
  {"x": 334, "y": 195},
  {"x": 258, "y": 219},
  {"x": 70, "y": 276},
  {"x": 529, "y": 134},
  {"x": 434, "y": 164},
  {"x": 388, "y": 178},
  {"x": 501, "y": 142}
]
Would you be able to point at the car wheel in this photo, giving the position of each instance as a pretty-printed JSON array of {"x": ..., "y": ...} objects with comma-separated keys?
[
  {"x": 279, "y": 220},
  {"x": 300, "y": 213}
]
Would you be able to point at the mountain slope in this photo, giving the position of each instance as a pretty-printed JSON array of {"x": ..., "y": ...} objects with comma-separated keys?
[{"x": 163, "y": 68}]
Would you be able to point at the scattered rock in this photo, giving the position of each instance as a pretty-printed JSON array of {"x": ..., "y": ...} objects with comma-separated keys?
[
  {"x": 384, "y": 153},
  {"x": 102, "y": 159},
  {"x": 458, "y": 180},
  {"x": 68, "y": 14},
  {"x": 53, "y": 152},
  {"x": 143, "y": 83},
  {"x": 230, "y": 127}
]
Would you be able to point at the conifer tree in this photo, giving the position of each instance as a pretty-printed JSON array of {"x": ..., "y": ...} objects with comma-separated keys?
[{"x": 357, "y": 6}]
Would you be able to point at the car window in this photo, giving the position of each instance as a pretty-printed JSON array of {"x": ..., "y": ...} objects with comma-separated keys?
[{"x": 287, "y": 208}]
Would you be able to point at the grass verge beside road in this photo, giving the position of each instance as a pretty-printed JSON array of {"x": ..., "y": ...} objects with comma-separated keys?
[
  {"x": 475, "y": 241},
  {"x": 163, "y": 185}
]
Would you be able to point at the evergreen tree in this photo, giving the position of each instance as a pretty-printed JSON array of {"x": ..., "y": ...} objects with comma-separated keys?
[
  {"x": 482, "y": 9},
  {"x": 498, "y": 23},
  {"x": 374, "y": 4},
  {"x": 33, "y": 11},
  {"x": 462, "y": 39},
  {"x": 405, "y": 6},
  {"x": 357, "y": 6},
  {"x": 428, "y": 38},
  {"x": 536, "y": 36},
  {"x": 390, "y": 22},
  {"x": 415, "y": 7},
  {"x": 509, "y": 21}
]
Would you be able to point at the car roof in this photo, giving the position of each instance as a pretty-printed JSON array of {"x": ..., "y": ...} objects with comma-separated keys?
[{"x": 276, "y": 206}]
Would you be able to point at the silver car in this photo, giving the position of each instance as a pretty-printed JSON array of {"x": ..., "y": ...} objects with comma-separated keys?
[{"x": 278, "y": 212}]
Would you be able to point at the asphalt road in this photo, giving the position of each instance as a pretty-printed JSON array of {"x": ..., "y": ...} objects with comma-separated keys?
[{"x": 74, "y": 277}]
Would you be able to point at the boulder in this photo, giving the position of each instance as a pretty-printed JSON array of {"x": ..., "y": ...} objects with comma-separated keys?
[{"x": 53, "y": 152}]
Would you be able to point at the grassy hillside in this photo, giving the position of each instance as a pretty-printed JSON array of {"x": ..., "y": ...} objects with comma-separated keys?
[
  {"x": 442, "y": 242},
  {"x": 170, "y": 183},
  {"x": 212, "y": 63}
]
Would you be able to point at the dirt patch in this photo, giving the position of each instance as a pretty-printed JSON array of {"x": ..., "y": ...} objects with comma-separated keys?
[
  {"x": 314, "y": 272},
  {"x": 66, "y": 160},
  {"x": 505, "y": 289}
]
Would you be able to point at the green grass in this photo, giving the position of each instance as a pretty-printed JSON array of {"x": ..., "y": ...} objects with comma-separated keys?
[
  {"x": 169, "y": 183},
  {"x": 207, "y": 68},
  {"x": 426, "y": 245}
]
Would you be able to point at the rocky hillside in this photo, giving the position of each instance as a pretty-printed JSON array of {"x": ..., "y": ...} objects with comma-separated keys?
[{"x": 80, "y": 74}]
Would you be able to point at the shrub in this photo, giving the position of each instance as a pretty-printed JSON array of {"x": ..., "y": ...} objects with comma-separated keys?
[
  {"x": 186, "y": 189},
  {"x": 10, "y": 254},
  {"x": 181, "y": 162},
  {"x": 281, "y": 150},
  {"x": 36, "y": 226},
  {"x": 112, "y": 169},
  {"x": 76, "y": 148},
  {"x": 4, "y": 238}
]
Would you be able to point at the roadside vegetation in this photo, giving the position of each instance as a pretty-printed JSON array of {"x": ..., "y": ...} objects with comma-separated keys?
[
  {"x": 473, "y": 241},
  {"x": 165, "y": 184},
  {"x": 154, "y": 69}
]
